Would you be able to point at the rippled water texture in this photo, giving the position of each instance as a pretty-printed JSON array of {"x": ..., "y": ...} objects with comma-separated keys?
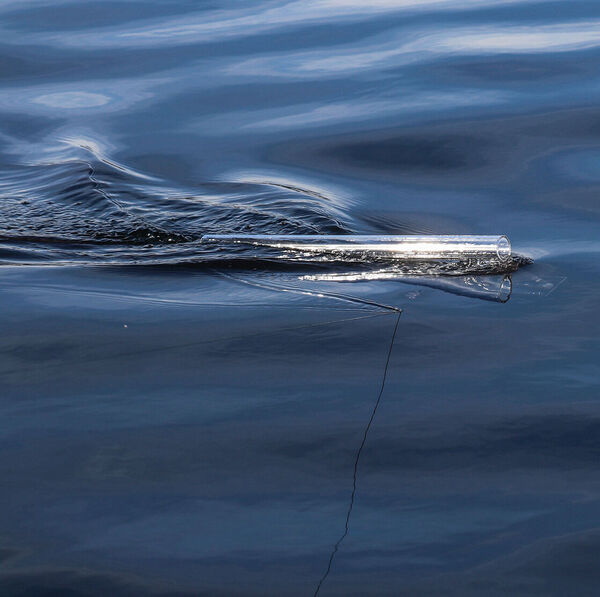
[{"x": 182, "y": 419}]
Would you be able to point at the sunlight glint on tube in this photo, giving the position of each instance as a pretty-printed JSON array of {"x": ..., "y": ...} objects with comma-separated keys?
[{"x": 405, "y": 247}]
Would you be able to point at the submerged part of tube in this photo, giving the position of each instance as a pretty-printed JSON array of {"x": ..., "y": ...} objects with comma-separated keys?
[
  {"x": 409, "y": 247},
  {"x": 496, "y": 288}
]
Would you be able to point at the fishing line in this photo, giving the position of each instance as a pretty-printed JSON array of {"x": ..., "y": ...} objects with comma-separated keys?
[
  {"x": 307, "y": 292},
  {"x": 358, "y": 453}
]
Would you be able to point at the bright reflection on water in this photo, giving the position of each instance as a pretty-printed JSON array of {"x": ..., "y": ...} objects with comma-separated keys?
[
  {"x": 72, "y": 99},
  {"x": 183, "y": 419}
]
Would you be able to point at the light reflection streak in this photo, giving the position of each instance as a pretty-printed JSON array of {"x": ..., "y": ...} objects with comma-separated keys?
[
  {"x": 305, "y": 115},
  {"x": 414, "y": 47},
  {"x": 420, "y": 247},
  {"x": 82, "y": 97},
  {"x": 206, "y": 26}
]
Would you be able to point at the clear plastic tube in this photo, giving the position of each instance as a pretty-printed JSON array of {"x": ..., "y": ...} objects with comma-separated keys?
[
  {"x": 487, "y": 288},
  {"x": 417, "y": 247}
]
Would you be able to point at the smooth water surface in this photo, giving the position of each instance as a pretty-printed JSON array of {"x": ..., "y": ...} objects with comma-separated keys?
[{"x": 179, "y": 419}]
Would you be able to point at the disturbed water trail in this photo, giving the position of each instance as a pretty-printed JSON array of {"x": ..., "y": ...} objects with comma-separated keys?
[{"x": 78, "y": 207}]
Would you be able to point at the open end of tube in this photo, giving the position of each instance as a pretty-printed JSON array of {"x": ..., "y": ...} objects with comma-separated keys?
[
  {"x": 505, "y": 289},
  {"x": 504, "y": 250}
]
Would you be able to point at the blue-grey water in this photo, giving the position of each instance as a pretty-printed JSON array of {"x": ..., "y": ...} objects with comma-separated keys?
[{"x": 177, "y": 419}]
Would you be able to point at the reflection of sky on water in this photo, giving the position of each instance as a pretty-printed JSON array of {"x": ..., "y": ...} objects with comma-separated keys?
[
  {"x": 411, "y": 46},
  {"x": 300, "y": 116},
  {"x": 107, "y": 96},
  {"x": 223, "y": 24},
  {"x": 368, "y": 67},
  {"x": 581, "y": 166},
  {"x": 72, "y": 100},
  {"x": 169, "y": 429}
]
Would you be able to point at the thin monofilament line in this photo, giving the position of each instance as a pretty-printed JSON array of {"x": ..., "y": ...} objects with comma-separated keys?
[
  {"x": 358, "y": 453},
  {"x": 309, "y": 292}
]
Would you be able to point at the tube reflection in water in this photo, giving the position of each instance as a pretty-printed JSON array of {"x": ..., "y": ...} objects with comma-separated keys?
[
  {"x": 488, "y": 288},
  {"x": 496, "y": 288}
]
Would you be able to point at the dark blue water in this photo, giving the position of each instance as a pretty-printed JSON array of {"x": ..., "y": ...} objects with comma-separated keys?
[{"x": 184, "y": 420}]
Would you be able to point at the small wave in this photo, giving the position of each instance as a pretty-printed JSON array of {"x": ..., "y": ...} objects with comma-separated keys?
[{"x": 85, "y": 209}]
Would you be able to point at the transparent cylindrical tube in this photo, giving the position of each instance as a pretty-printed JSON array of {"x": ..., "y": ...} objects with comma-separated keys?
[
  {"x": 487, "y": 288},
  {"x": 417, "y": 247}
]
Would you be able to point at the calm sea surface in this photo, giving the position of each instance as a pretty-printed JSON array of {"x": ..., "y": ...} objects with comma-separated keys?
[{"x": 177, "y": 419}]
